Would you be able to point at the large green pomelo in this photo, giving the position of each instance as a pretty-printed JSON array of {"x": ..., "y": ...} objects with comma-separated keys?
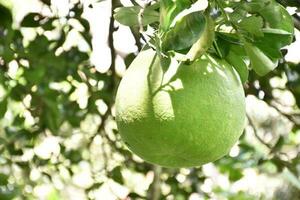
[{"x": 182, "y": 120}]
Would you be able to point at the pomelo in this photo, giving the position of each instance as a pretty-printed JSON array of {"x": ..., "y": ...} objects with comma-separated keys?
[{"x": 183, "y": 117}]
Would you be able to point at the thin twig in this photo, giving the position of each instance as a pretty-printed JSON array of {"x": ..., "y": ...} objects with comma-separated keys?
[
  {"x": 270, "y": 147},
  {"x": 136, "y": 36},
  {"x": 140, "y": 19},
  {"x": 155, "y": 192},
  {"x": 256, "y": 133},
  {"x": 289, "y": 117}
]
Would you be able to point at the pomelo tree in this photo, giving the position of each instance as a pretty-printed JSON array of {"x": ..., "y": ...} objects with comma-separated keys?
[{"x": 204, "y": 115}]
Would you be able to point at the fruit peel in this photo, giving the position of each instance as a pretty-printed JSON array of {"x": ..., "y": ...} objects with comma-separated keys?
[{"x": 187, "y": 126}]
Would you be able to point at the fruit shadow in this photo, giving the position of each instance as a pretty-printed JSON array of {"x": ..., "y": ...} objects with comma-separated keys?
[{"x": 175, "y": 94}]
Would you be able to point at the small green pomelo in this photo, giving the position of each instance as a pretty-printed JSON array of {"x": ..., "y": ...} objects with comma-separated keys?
[{"x": 183, "y": 117}]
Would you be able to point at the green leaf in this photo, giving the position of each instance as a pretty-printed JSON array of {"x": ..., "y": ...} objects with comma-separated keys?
[
  {"x": 74, "y": 156},
  {"x": 47, "y": 2},
  {"x": 7, "y": 194},
  {"x": 235, "y": 174},
  {"x": 255, "y": 5},
  {"x": 53, "y": 118},
  {"x": 279, "y": 144},
  {"x": 134, "y": 195},
  {"x": 185, "y": 33},
  {"x": 48, "y": 25},
  {"x": 223, "y": 43},
  {"x": 264, "y": 50},
  {"x": 5, "y": 17},
  {"x": 204, "y": 42},
  {"x": 116, "y": 175},
  {"x": 129, "y": 58},
  {"x": 129, "y": 16},
  {"x": 32, "y": 20},
  {"x": 85, "y": 23},
  {"x": 35, "y": 75},
  {"x": 95, "y": 186},
  {"x": 273, "y": 41},
  {"x": 169, "y": 9},
  {"x": 3, "y": 179},
  {"x": 238, "y": 13},
  {"x": 229, "y": 37},
  {"x": 260, "y": 63},
  {"x": 277, "y": 17},
  {"x": 2, "y": 141},
  {"x": 253, "y": 25},
  {"x": 238, "y": 63},
  {"x": 3, "y": 107}
]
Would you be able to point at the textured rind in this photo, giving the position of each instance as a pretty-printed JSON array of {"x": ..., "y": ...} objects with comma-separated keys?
[{"x": 191, "y": 120}]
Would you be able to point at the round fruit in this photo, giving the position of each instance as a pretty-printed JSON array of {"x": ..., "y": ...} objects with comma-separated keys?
[{"x": 180, "y": 117}]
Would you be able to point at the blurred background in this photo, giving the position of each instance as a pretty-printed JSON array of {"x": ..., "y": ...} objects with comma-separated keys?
[{"x": 60, "y": 64}]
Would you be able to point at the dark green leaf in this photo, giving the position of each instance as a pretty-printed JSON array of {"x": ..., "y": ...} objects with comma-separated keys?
[
  {"x": 185, "y": 33},
  {"x": 238, "y": 63},
  {"x": 280, "y": 142},
  {"x": 47, "y": 2},
  {"x": 116, "y": 175},
  {"x": 13, "y": 150},
  {"x": 238, "y": 14},
  {"x": 95, "y": 186},
  {"x": 235, "y": 174},
  {"x": 253, "y": 25},
  {"x": 170, "y": 9},
  {"x": 85, "y": 23},
  {"x": 78, "y": 10},
  {"x": 3, "y": 107},
  {"x": 5, "y": 17},
  {"x": 129, "y": 58},
  {"x": 32, "y": 20},
  {"x": 273, "y": 41},
  {"x": 255, "y": 6},
  {"x": 277, "y": 17},
  {"x": 134, "y": 195},
  {"x": 52, "y": 117},
  {"x": 48, "y": 25},
  {"x": 35, "y": 75},
  {"x": 39, "y": 47},
  {"x": 74, "y": 156},
  {"x": 165, "y": 63},
  {"x": 229, "y": 37},
  {"x": 3, "y": 179}
]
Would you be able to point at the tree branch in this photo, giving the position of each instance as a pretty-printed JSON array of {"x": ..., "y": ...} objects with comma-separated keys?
[
  {"x": 136, "y": 35},
  {"x": 256, "y": 134},
  {"x": 288, "y": 116},
  {"x": 296, "y": 19},
  {"x": 154, "y": 191}
]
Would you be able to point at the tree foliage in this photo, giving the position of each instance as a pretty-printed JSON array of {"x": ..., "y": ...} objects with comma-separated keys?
[{"x": 57, "y": 110}]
